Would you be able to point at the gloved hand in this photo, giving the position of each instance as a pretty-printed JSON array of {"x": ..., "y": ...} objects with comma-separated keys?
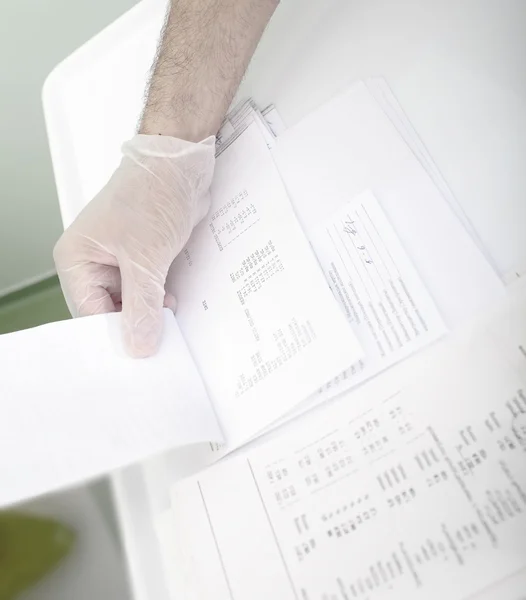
[{"x": 119, "y": 249}]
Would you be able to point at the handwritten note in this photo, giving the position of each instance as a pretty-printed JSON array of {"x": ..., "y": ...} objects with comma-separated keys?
[{"x": 378, "y": 288}]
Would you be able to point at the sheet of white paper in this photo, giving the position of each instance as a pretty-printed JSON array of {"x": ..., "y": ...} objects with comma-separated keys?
[
  {"x": 253, "y": 304},
  {"x": 391, "y": 107},
  {"x": 377, "y": 287},
  {"x": 388, "y": 102},
  {"x": 323, "y": 171},
  {"x": 397, "y": 490},
  {"x": 73, "y": 405}
]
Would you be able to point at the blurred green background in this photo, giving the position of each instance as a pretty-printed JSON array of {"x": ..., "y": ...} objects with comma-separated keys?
[{"x": 32, "y": 306}]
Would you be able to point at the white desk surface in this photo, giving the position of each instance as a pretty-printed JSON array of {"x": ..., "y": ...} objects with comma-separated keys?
[{"x": 457, "y": 67}]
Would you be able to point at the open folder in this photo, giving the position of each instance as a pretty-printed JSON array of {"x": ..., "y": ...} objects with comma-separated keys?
[{"x": 329, "y": 254}]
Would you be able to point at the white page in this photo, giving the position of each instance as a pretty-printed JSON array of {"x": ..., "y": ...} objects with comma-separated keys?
[
  {"x": 253, "y": 305},
  {"x": 349, "y": 145},
  {"x": 377, "y": 286},
  {"x": 389, "y": 104},
  {"x": 391, "y": 107},
  {"x": 380, "y": 291},
  {"x": 74, "y": 406},
  {"x": 398, "y": 490}
]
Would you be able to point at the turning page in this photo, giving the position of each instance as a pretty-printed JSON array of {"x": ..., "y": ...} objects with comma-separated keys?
[
  {"x": 399, "y": 490},
  {"x": 74, "y": 406},
  {"x": 261, "y": 323}
]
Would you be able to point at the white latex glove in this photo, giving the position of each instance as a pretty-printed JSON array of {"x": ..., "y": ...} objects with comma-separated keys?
[{"x": 119, "y": 249}]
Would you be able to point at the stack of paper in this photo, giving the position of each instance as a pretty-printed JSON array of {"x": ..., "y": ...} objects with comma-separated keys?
[
  {"x": 307, "y": 510},
  {"x": 396, "y": 248},
  {"x": 332, "y": 251},
  {"x": 411, "y": 487}
]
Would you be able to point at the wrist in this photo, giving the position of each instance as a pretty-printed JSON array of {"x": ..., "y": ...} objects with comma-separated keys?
[
  {"x": 181, "y": 124},
  {"x": 202, "y": 58}
]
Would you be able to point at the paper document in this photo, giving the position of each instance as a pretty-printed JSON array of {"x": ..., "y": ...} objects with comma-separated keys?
[
  {"x": 323, "y": 170},
  {"x": 253, "y": 305},
  {"x": 399, "y": 490},
  {"x": 377, "y": 286},
  {"x": 74, "y": 406}
]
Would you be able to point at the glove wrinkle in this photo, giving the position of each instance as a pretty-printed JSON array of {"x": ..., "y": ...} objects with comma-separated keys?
[{"x": 122, "y": 245}]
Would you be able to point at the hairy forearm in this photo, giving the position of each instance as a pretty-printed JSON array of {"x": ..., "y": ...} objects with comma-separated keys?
[{"x": 205, "y": 49}]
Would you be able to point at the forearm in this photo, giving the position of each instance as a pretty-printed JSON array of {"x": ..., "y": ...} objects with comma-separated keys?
[{"x": 205, "y": 49}]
